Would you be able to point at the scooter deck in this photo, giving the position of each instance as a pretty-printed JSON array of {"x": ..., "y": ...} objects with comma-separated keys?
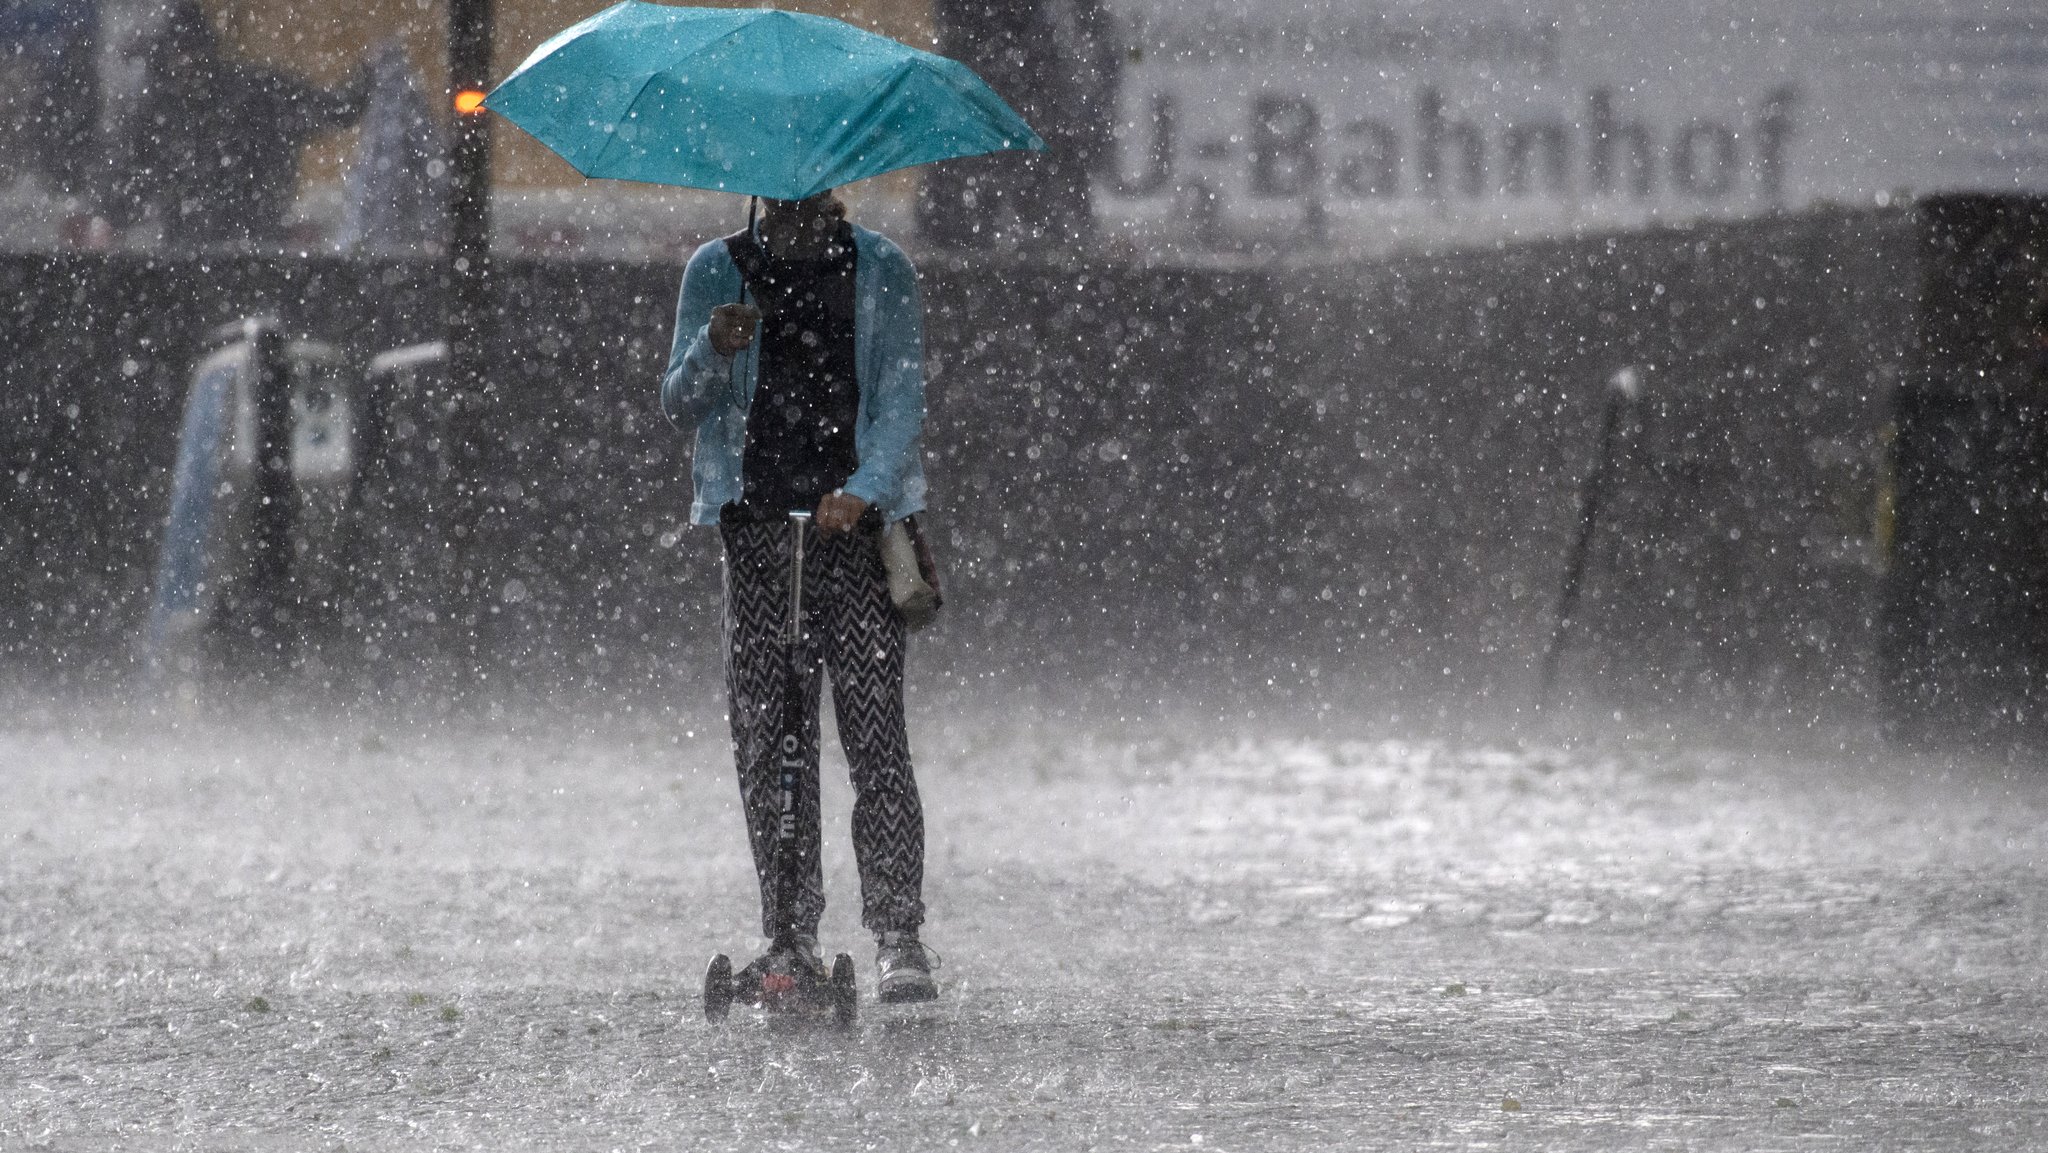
[{"x": 783, "y": 995}]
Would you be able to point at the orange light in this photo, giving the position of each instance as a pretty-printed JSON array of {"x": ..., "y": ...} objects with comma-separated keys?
[{"x": 469, "y": 102}]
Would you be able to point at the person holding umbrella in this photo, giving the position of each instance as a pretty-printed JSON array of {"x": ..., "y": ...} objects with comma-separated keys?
[
  {"x": 830, "y": 338},
  {"x": 797, "y": 364}
]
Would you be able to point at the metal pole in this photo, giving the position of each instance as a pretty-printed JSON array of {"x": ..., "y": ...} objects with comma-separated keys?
[
  {"x": 1623, "y": 388},
  {"x": 467, "y": 282},
  {"x": 790, "y": 742},
  {"x": 469, "y": 69},
  {"x": 798, "y": 522},
  {"x": 276, "y": 511},
  {"x": 469, "y": 77}
]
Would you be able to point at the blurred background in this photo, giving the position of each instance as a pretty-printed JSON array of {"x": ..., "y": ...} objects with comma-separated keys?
[{"x": 1651, "y": 358}]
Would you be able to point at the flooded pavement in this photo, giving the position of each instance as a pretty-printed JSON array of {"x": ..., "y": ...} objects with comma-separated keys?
[{"x": 1156, "y": 935}]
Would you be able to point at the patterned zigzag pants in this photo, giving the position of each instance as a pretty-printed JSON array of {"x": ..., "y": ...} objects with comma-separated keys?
[{"x": 857, "y": 638}]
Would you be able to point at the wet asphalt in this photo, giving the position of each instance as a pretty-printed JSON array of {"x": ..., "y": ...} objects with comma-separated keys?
[{"x": 273, "y": 929}]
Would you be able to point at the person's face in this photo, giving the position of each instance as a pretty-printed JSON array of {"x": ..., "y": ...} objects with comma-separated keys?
[{"x": 800, "y": 227}]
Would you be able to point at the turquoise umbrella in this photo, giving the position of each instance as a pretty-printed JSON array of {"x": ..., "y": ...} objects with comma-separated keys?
[{"x": 748, "y": 100}]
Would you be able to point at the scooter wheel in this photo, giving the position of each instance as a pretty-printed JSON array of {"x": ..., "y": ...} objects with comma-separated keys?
[
  {"x": 845, "y": 992},
  {"x": 718, "y": 989}
]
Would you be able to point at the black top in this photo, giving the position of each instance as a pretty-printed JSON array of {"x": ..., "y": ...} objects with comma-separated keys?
[{"x": 806, "y": 398}]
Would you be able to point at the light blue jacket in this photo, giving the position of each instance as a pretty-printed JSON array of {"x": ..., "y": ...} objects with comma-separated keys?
[{"x": 701, "y": 390}]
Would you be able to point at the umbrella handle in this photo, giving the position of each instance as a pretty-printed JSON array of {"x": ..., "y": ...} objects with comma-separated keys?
[
  {"x": 753, "y": 210},
  {"x": 732, "y": 371}
]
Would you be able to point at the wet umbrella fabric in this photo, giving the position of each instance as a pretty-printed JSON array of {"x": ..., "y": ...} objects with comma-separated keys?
[{"x": 753, "y": 101}]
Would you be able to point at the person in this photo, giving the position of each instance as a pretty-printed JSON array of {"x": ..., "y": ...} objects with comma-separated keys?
[
  {"x": 798, "y": 364},
  {"x": 212, "y": 152}
]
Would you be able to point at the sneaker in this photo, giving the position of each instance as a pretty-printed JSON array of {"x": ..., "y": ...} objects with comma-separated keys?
[
  {"x": 903, "y": 970},
  {"x": 787, "y": 969}
]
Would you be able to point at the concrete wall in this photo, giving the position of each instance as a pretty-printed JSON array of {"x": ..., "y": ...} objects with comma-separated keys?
[
  {"x": 1966, "y": 632},
  {"x": 1143, "y": 478}
]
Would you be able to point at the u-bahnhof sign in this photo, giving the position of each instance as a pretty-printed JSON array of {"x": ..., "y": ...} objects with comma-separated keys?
[{"x": 1378, "y": 125}]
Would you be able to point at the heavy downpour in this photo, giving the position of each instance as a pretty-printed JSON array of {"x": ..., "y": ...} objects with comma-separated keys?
[{"x": 1054, "y": 574}]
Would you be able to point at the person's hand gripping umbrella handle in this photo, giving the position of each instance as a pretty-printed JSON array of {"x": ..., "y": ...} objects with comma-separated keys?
[{"x": 733, "y": 325}]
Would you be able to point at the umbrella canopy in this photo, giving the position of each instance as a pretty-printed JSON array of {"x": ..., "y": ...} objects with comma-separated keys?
[{"x": 748, "y": 100}]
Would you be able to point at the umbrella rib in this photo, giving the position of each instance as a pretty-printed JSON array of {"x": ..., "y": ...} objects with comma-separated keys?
[
  {"x": 607, "y": 151},
  {"x": 837, "y": 143},
  {"x": 731, "y": 34},
  {"x": 613, "y": 138},
  {"x": 992, "y": 139},
  {"x": 699, "y": 50},
  {"x": 782, "y": 79}
]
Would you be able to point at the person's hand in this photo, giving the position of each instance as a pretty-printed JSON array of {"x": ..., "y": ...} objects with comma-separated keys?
[
  {"x": 839, "y": 512},
  {"x": 732, "y": 327}
]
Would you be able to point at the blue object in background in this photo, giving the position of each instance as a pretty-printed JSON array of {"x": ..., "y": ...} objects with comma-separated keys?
[
  {"x": 45, "y": 27},
  {"x": 749, "y": 100},
  {"x": 190, "y": 567},
  {"x": 206, "y": 560}
]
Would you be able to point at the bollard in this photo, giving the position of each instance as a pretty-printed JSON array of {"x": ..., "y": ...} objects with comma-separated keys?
[{"x": 1622, "y": 390}]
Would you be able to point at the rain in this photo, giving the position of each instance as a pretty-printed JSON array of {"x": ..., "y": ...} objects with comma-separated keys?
[{"x": 1490, "y": 564}]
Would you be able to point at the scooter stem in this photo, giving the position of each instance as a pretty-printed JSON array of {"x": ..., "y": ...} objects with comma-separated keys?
[{"x": 798, "y": 522}]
